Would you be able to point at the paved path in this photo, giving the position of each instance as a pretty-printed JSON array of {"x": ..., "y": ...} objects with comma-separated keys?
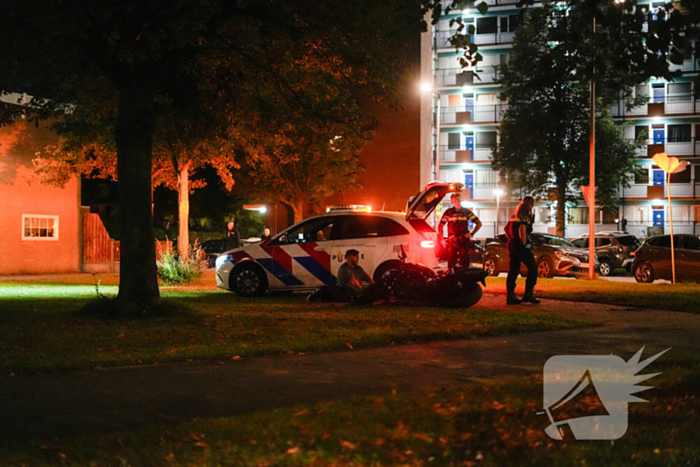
[{"x": 45, "y": 406}]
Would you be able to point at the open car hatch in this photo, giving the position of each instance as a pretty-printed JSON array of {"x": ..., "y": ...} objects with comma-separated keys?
[{"x": 424, "y": 203}]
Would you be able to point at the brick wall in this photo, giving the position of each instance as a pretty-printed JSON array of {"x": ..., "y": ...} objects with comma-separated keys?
[{"x": 20, "y": 195}]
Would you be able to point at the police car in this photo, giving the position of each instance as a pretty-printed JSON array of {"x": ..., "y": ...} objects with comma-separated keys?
[{"x": 308, "y": 254}]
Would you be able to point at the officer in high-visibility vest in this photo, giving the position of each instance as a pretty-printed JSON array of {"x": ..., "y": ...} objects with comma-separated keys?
[
  {"x": 518, "y": 232},
  {"x": 457, "y": 219}
]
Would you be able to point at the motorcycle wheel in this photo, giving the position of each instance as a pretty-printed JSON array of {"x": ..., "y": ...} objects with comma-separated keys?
[{"x": 468, "y": 297}]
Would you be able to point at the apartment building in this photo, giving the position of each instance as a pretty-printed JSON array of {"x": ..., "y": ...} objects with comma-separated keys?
[{"x": 470, "y": 113}]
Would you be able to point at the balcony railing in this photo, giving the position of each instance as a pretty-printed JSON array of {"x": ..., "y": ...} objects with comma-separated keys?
[
  {"x": 667, "y": 105},
  {"x": 469, "y": 114},
  {"x": 473, "y": 3},
  {"x": 672, "y": 147},
  {"x": 466, "y": 77},
  {"x": 678, "y": 190},
  {"x": 458, "y": 153}
]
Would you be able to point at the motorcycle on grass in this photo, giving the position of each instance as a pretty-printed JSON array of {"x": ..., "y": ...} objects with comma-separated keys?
[{"x": 415, "y": 284}]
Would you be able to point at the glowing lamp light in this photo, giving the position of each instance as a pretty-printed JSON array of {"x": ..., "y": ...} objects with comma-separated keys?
[
  {"x": 263, "y": 210},
  {"x": 426, "y": 87}
]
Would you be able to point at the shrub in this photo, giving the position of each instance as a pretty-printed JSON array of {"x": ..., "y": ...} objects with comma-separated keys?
[{"x": 173, "y": 269}]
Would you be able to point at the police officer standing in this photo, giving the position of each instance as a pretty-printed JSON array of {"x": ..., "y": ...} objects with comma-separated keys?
[
  {"x": 457, "y": 219},
  {"x": 518, "y": 232}
]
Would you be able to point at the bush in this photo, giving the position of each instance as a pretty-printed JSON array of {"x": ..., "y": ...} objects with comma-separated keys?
[{"x": 173, "y": 269}]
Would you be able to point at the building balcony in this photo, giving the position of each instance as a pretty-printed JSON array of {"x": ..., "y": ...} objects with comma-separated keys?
[
  {"x": 457, "y": 155},
  {"x": 656, "y": 107},
  {"x": 649, "y": 191},
  {"x": 462, "y": 115},
  {"x": 688, "y": 147},
  {"x": 467, "y": 77}
]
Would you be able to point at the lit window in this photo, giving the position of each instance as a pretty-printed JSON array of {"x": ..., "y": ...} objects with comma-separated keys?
[{"x": 35, "y": 227}]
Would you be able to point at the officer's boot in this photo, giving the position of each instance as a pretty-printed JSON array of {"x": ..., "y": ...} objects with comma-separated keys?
[{"x": 512, "y": 299}]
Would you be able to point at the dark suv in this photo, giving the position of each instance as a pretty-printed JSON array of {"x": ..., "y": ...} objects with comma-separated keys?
[
  {"x": 555, "y": 256},
  {"x": 653, "y": 260},
  {"x": 613, "y": 249}
]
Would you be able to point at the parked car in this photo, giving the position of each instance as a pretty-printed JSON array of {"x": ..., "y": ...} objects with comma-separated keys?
[
  {"x": 653, "y": 259},
  {"x": 613, "y": 249},
  {"x": 476, "y": 253},
  {"x": 308, "y": 254},
  {"x": 212, "y": 249},
  {"x": 555, "y": 256}
]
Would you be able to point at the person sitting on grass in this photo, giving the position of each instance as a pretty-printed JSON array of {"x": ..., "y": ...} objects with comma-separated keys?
[{"x": 350, "y": 288}]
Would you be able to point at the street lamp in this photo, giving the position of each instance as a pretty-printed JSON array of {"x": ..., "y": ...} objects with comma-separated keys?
[
  {"x": 497, "y": 192},
  {"x": 426, "y": 87}
]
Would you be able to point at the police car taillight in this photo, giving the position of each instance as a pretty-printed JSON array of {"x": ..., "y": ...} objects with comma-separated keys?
[{"x": 427, "y": 244}]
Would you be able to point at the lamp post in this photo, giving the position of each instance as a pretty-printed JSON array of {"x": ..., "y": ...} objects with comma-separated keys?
[
  {"x": 498, "y": 192},
  {"x": 670, "y": 165},
  {"x": 426, "y": 87}
]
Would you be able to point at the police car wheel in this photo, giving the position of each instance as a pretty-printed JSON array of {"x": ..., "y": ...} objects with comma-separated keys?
[
  {"x": 247, "y": 280},
  {"x": 491, "y": 266}
]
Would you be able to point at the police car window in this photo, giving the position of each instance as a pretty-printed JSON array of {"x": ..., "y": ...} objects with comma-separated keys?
[
  {"x": 390, "y": 228},
  {"x": 359, "y": 227},
  {"x": 314, "y": 230}
]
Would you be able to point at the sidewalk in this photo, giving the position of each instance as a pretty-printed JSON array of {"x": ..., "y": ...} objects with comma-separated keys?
[{"x": 45, "y": 406}]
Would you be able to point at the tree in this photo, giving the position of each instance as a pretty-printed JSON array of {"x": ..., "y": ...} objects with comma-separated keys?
[
  {"x": 192, "y": 55},
  {"x": 544, "y": 133},
  {"x": 304, "y": 166},
  {"x": 630, "y": 43},
  {"x": 181, "y": 146}
]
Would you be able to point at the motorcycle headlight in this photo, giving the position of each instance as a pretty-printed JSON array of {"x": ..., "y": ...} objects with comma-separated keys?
[{"x": 221, "y": 260}]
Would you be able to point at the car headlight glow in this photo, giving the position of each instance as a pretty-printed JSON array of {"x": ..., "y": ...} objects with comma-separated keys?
[{"x": 221, "y": 259}]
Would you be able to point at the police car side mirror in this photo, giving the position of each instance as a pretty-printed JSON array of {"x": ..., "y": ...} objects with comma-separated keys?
[{"x": 282, "y": 239}]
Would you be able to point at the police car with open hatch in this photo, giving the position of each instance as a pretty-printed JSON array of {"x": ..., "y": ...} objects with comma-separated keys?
[{"x": 309, "y": 253}]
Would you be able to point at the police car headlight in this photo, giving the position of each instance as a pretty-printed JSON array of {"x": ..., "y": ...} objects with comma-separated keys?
[
  {"x": 221, "y": 260},
  {"x": 560, "y": 254}
]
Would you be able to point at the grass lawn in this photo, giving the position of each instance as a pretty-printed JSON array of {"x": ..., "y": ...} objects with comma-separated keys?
[
  {"x": 493, "y": 424},
  {"x": 44, "y": 326},
  {"x": 661, "y": 296}
]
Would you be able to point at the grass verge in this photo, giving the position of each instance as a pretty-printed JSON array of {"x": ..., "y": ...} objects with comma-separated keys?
[
  {"x": 683, "y": 296},
  {"x": 58, "y": 326},
  {"x": 493, "y": 424}
]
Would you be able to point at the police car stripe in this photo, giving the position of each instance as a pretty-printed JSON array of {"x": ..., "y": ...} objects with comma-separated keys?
[
  {"x": 316, "y": 269},
  {"x": 271, "y": 265},
  {"x": 322, "y": 257},
  {"x": 280, "y": 257}
]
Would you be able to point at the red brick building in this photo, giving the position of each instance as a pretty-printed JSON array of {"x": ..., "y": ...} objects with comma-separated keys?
[{"x": 39, "y": 225}]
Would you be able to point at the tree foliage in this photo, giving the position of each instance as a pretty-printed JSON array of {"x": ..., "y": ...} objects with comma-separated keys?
[
  {"x": 303, "y": 166},
  {"x": 545, "y": 130},
  {"x": 233, "y": 60}
]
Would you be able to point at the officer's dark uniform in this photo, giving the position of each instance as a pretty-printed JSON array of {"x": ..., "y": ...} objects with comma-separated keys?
[
  {"x": 519, "y": 253},
  {"x": 457, "y": 243}
]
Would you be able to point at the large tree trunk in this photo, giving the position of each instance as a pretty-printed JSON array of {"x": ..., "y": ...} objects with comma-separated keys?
[
  {"x": 183, "y": 241},
  {"x": 561, "y": 211},
  {"x": 138, "y": 280},
  {"x": 298, "y": 209}
]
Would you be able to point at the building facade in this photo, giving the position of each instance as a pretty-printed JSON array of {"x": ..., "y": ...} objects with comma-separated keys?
[
  {"x": 39, "y": 225},
  {"x": 471, "y": 111}
]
